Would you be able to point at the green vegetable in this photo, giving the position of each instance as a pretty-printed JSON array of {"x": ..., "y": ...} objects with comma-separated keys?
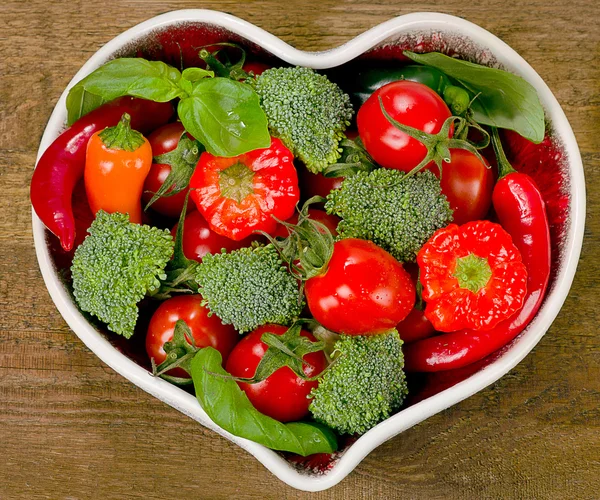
[
  {"x": 363, "y": 386},
  {"x": 223, "y": 114},
  {"x": 116, "y": 266},
  {"x": 249, "y": 287},
  {"x": 307, "y": 111},
  {"x": 229, "y": 407},
  {"x": 395, "y": 211},
  {"x": 503, "y": 100}
]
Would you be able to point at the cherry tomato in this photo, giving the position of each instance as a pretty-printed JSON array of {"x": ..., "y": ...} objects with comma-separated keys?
[
  {"x": 316, "y": 184},
  {"x": 283, "y": 395},
  {"x": 363, "y": 291},
  {"x": 199, "y": 239},
  {"x": 329, "y": 221},
  {"x": 409, "y": 103},
  {"x": 242, "y": 194},
  {"x": 468, "y": 184},
  {"x": 255, "y": 67},
  {"x": 415, "y": 326},
  {"x": 163, "y": 140},
  {"x": 206, "y": 330}
]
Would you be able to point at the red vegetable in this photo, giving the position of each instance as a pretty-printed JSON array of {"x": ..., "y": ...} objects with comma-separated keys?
[
  {"x": 117, "y": 162},
  {"x": 206, "y": 329},
  {"x": 362, "y": 291},
  {"x": 329, "y": 221},
  {"x": 199, "y": 239},
  {"x": 62, "y": 164},
  {"x": 410, "y": 103},
  {"x": 240, "y": 195},
  {"x": 468, "y": 183},
  {"x": 283, "y": 395},
  {"x": 164, "y": 140},
  {"x": 472, "y": 276},
  {"x": 521, "y": 211}
]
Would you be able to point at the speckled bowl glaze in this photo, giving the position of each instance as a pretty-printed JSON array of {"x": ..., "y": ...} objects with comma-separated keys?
[{"x": 174, "y": 37}]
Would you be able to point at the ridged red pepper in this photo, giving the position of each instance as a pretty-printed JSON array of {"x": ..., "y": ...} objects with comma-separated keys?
[
  {"x": 62, "y": 164},
  {"x": 522, "y": 213}
]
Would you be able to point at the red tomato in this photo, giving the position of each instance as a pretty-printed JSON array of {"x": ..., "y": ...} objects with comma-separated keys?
[
  {"x": 206, "y": 330},
  {"x": 316, "y": 184},
  {"x": 409, "y": 103},
  {"x": 415, "y": 326},
  {"x": 468, "y": 184},
  {"x": 329, "y": 221},
  {"x": 283, "y": 395},
  {"x": 163, "y": 140},
  {"x": 199, "y": 239},
  {"x": 240, "y": 195},
  {"x": 364, "y": 290},
  {"x": 255, "y": 67}
]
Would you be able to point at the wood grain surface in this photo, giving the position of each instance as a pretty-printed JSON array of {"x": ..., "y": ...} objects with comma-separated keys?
[{"x": 72, "y": 428}]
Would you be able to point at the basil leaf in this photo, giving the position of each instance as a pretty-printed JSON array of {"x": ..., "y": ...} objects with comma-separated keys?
[
  {"x": 135, "y": 77},
  {"x": 195, "y": 74},
  {"x": 225, "y": 116},
  {"x": 80, "y": 102},
  {"x": 229, "y": 407},
  {"x": 504, "y": 101}
]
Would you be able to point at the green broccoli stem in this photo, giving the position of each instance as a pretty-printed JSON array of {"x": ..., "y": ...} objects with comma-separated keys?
[
  {"x": 122, "y": 136},
  {"x": 438, "y": 145}
]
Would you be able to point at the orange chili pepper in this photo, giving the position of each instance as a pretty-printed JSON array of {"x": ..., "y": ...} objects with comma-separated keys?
[{"x": 117, "y": 162}]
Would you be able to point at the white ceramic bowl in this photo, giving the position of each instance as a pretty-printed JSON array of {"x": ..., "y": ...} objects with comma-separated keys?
[{"x": 441, "y": 30}]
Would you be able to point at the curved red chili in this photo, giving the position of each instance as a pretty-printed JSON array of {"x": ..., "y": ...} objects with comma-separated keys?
[
  {"x": 522, "y": 213},
  {"x": 62, "y": 164}
]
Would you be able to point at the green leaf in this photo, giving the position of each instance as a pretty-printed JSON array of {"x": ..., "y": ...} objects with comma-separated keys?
[
  {"x": 225, "y": 116},
  {"x": 229, "y": 407},
  {"x": 503, "y": 100},
  {"x": 135, "y": 77},
  {"x": 80, "y": 103},
  {"x": 195, "y": 74}
]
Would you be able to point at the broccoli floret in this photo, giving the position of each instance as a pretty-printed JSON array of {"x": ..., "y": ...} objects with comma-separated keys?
[
  {"x": 365, "y": 384},
  {"x": 116, "y": 266},
  {"x": 249, "y": 287},
  {"x": 399, "y": 214},
  {"x": 306, "y": 111}
]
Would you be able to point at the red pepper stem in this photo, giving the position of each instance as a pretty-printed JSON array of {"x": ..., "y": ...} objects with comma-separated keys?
[
  {"x": 122, "y": 136},
  {"x": 504, "y": 166}
]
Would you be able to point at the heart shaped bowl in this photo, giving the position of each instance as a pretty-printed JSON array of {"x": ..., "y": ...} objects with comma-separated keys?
[{"x": 175, "y": 38}]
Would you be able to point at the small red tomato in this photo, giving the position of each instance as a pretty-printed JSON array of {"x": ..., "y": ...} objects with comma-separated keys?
[
  {"x": 206, "y": 330},
  {"x": 199, "y": 239},
  {"x": 255, "y": 67},
  {"x": 316, "y": 184},
  {"x": 363, "y": 291},
  {"x": 283, "y": 395},
  {"x": 410, "y": 103},
  {"x": 329, "y": 221},
  {"x": 468, "y": 184},
  {"x": 240, "y": 195},
  {"x": 163, "y": 140},
  {"x": 415, "y": 326}
]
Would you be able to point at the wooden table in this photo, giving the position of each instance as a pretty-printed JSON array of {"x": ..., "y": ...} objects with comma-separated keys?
[{"x": 72, "y": 428}]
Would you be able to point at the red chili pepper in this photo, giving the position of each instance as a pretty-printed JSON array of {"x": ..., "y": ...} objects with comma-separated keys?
[
  {"x": 522, "y": 212},
  {"x": 62, "y": 164}
]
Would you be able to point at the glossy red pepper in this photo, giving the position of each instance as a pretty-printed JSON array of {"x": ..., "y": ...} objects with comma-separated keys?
[
  {"x": 62, "y": 164},
  {"x": 521, "y": 211}
]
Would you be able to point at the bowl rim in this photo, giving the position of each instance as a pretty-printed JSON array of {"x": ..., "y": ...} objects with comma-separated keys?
[{"x": 185, "y": 402}]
